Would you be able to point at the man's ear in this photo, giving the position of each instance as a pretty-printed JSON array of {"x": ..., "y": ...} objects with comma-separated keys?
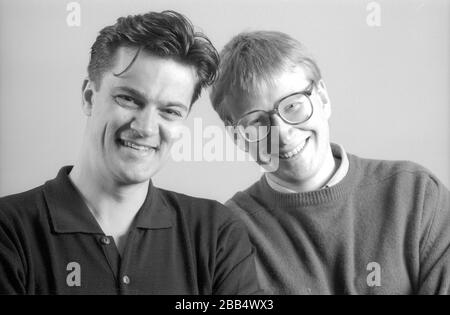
[
  {"x": 323, "y": 94},
  {"x": 87, "y": 92}
]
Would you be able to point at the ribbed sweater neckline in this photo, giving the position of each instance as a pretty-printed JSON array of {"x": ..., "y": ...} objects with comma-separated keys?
[{"x": 261, "y": 190}]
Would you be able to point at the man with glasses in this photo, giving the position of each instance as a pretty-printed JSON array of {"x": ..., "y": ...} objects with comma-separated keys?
[{"x": 325, "y": 221}]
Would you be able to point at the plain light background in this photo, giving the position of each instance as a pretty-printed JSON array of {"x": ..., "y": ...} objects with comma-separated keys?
[{"x": 389, "y": 85}]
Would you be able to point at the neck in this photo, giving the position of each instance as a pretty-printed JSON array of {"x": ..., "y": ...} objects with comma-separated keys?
[
  {"x": 312, "y": 183},
  {"x": 113, "y": 205}
]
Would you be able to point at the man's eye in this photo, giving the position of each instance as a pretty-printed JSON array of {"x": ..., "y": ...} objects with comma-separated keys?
[
  {"x": 294, "y": 106},
  {"x": 256, "y": 121},
  {"x": 172, "y": 113},
  {"x": 126, "y": 101}
]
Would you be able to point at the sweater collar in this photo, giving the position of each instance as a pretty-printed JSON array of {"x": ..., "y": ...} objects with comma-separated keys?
[{"x": 277, "y": 200}]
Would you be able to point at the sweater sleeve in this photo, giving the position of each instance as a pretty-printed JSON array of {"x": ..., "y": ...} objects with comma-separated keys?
[
  {"x": 435, "y": 252},
  {"x": 11, "y": 269},
  {"x": 235, "y": 271}
]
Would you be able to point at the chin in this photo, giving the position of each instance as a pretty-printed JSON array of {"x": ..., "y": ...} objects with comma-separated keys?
[{"x": 136, "y": 176}]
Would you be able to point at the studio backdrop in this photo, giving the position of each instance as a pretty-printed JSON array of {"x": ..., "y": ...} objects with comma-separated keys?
[{"x": 386, "y": 65}]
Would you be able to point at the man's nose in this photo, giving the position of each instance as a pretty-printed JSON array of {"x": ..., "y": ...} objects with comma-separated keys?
[
  {"x": 146, "y": 122},
  {"x": 285, "y": 130}
]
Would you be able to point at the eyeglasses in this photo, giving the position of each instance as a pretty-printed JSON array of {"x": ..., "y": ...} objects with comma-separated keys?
[{"x": 293, "y": 109}]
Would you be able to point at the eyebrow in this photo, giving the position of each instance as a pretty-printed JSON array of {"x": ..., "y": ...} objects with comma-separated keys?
[
  {"x": 307, "y": 89},
  {"x": 132, "y": 91},
  {"x": 142, "y": 96}
]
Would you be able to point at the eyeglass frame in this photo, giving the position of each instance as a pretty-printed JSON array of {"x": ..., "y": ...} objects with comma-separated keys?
[{"x": 307, "y": 92}]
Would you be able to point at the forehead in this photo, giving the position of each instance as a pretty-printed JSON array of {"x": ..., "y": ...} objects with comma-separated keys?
[
  {"x": 158, "y": 78},
  {"x": 288, "y": 81}
]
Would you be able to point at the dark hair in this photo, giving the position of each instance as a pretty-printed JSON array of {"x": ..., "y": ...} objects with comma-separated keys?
[
  {"x": 252, "y": 58},
  {"x": 167, "y": 34}
]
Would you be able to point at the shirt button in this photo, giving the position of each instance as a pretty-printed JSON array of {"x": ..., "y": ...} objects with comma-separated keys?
[
  {"x": 105, "y": 240},
  {"x": 126, "y": 280}
]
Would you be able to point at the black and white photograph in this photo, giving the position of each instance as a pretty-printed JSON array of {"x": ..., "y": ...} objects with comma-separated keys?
[{"x": 224, "y": 148}]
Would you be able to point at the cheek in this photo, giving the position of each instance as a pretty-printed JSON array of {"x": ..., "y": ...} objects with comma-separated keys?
[
  {"x": 174, "y": 132},
  {"x": 322, "y": 140},
  {"x": 117, "y": 120},
  {"x": 98, "y": 128},
  {"x": 170, "y": 132},
  {"x": 318, "y": 123}
]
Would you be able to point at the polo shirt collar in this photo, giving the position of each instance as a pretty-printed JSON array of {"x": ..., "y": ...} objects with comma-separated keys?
[{"x": 69, "y": 213}]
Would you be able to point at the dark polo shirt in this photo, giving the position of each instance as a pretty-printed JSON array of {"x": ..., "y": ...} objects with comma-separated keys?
[{"x": 50, "y": 243}]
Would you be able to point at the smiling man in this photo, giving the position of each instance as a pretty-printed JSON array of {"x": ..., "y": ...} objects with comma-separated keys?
[
  {"x": 101, "y": 227},
  {"x": 325, "y": 221}
]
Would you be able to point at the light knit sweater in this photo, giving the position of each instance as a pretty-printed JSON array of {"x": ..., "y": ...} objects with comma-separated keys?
[{"x": 383, "y": 229}]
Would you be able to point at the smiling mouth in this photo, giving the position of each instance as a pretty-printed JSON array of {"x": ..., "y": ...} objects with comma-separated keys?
[
  {"x": 135, "y": 146},
  {"x": 295, "y": 151}
]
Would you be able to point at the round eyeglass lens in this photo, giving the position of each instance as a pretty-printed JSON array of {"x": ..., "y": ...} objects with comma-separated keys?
[
  {"x": 296, "y": 108},
  {"x": 254, "y": 126}
]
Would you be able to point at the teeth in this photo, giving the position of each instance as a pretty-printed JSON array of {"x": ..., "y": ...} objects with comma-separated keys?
[
  {"x": 135, "y": 146},
  {"x": 296, "y": 151}
]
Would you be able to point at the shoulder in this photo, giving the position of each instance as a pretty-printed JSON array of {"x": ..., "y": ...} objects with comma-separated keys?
[
  {"x": 373, "y": 171},
  {"x": 248, "y": 204},
  {"x": 21, "y": 216},
  {"x": 409, "y": 182},
  {"x": 22, "y": 206},
  {"x": 197, "y": 210}
]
